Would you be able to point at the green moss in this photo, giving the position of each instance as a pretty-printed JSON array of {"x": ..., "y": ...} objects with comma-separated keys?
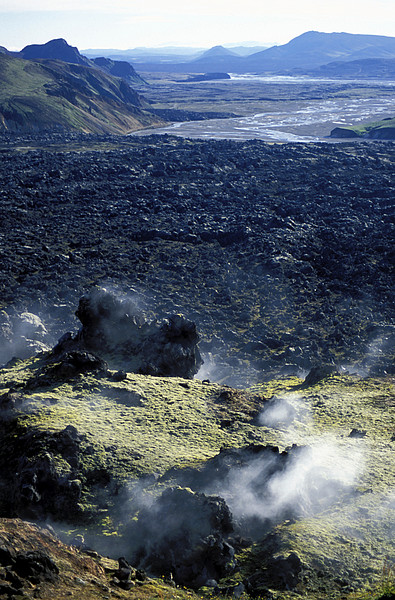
[{"x": 146, "y": 425}]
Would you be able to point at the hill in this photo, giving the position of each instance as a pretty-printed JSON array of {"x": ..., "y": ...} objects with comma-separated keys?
[
  {"x": 379, "y": 130},
  {"x": 216, "y": 51},
  {"x": 48, "y": 95}
]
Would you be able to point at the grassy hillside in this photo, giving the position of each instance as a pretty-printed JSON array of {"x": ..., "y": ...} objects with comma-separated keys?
[
  {"x": 52, "y": 95},
  {"x": 378, "y": 130}
]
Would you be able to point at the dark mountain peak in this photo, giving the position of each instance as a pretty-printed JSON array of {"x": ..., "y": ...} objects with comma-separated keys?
[{"x": 57, "y": 49}]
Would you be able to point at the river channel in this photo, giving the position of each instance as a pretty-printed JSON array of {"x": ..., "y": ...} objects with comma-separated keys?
[{"x": 308, "y": 120}]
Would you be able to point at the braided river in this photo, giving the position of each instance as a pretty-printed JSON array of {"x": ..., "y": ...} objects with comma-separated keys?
[{"x": 305, "y": 120}]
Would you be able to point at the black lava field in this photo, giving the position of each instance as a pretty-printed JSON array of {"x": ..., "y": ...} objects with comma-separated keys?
[{"x": 282, "y": 254}]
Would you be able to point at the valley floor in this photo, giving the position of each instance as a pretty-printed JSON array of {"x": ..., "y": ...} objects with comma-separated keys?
[{"x": 276, "y": 109}]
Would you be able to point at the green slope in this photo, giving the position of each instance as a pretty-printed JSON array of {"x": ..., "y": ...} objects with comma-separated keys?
[
  {"x": 378, "y": 130},
  {"x": 53, "y": 95}
]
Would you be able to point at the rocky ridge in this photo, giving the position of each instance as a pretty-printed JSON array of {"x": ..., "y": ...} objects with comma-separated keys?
[{"x": 59, "y": 49}]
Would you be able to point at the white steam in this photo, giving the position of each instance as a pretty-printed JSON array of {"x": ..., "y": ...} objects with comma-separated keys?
[
  {"x": 281, "y": 412},
  {"x": 310, "y": 480},
  {"x": 22, "y": 335}
]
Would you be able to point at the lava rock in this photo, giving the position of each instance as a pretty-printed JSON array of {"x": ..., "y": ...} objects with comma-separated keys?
[
  {"x": 47, "y": 479},
  {"x": 36, "y": 566},
  {"x": 76, "y": 362},
  {"x": 116, "y": 329},
  {"x": 185, "y": 535},
  {"x": 302, "y": 231},
  {"x": 318, "y": 373},
  {"x": 280, "y": 572},
  {"x": 357, "y": 433}
]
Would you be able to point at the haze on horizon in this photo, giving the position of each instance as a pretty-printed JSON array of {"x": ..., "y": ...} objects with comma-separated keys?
[{"x": 125, "y": 24}]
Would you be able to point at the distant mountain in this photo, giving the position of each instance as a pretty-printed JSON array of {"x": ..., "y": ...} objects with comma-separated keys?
[
  {"x": 378, "y": 68},
  {"x": 304, "y": 53},
  {"x": 143, "y": 51},
  {"x": 167, "y": 54},
  {"x": 170, "y": 54},
  {"x": 247, "y": 50},
  {"x": 54, "y": 95},
  {"x": 217, "y": 56},
  {"x": 216, "y": 51},
  {"x": 313, "y": 49},
  {"x": 57, "y": 49},
  {"x": 118, "y": 68}
]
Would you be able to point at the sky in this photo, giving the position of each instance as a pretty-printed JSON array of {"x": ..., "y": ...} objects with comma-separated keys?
[{"x": 125, "y": 24}]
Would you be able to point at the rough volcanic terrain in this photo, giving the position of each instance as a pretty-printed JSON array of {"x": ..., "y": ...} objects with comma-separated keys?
[
  {"x": 281, "y": 254},
  {"x": 124, "y": 262},
  {"x": 34, "y": 563}
]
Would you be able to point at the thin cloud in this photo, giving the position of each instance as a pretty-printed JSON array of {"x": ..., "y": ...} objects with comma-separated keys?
[{"x": 64, "y": 6}]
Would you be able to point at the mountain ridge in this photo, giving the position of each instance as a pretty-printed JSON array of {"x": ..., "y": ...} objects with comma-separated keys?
[
  {"x": 308, "y": 51},
  {"x": 51, "y": 94},
  {"x": 326, "y": 47},
  {"x": 59, "y": 49}
]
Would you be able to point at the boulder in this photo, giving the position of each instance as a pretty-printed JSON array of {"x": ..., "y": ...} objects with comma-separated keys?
[
  {"x": 318, "y": 373},
  {"x": 184, "y": 534},
  {"x": 47, "y": 481},
  {"x": 36, "y": 566},
  {"x": 76, "y": 362},
  {"x": 280, "y": 572},
  {"x": 118, "y": 332}
]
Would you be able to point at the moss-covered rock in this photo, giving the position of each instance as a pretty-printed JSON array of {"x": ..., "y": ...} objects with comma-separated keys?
[{"x": 109, "y": 448}]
